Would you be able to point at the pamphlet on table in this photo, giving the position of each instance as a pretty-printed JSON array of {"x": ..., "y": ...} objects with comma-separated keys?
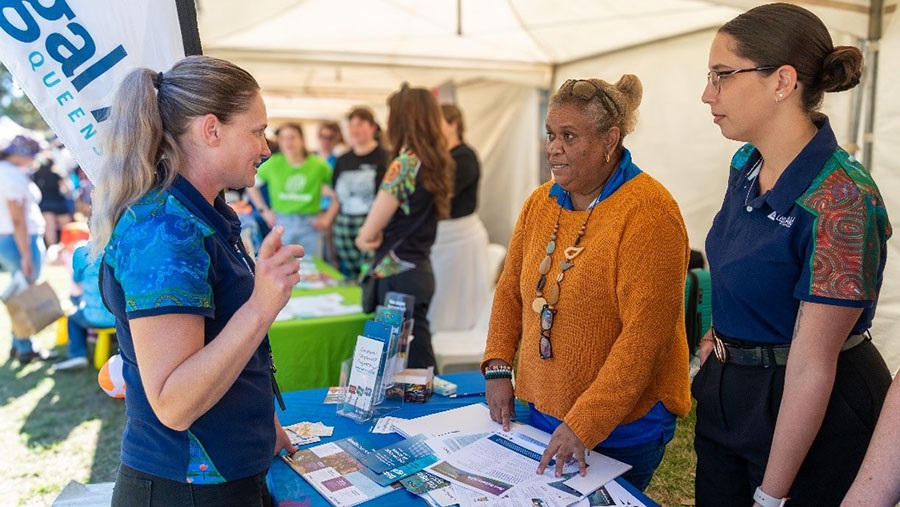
[
  {"x": 312, "y": 278},
  {"x": 320, "y": 305},
  {"x": 503, "y": 464},
  {"x": 456, "y": 457},
  {"x": 335, "y": 471}
]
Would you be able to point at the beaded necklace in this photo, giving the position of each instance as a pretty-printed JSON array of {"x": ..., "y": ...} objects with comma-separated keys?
[{"x": 543, "y": 305}]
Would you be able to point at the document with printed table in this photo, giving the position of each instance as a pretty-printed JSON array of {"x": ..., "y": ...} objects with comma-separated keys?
[{"x": 503, "y": 465}]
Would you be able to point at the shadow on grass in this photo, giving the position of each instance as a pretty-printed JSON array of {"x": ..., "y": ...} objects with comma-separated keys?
[{"x": 73, "y": 398}]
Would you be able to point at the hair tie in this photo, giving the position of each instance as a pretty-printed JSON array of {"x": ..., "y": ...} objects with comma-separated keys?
[{"x": 157, "y": 83}]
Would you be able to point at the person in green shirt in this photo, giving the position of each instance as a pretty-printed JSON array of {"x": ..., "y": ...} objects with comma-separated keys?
[{"x": 297, "y": 181}]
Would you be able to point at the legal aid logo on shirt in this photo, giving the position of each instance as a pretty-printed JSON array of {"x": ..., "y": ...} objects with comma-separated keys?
[{"x": 784, "y": 221}]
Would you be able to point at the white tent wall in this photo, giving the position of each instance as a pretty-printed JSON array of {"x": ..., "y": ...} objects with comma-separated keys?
[
  {"x": 886, "y": 171},
  {"x": 502, "y": 125}
]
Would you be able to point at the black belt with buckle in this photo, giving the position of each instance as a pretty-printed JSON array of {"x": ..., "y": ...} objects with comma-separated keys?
[{"x": 765, "y": 356}]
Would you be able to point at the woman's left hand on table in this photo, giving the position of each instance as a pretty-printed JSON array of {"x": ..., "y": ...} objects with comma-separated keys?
[{"x": 564, "y": 444}]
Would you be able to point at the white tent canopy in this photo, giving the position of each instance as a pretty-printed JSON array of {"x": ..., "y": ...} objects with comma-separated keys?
[
  {"x": 316, "y": 58},
  {"x": 364, "y": 48}
]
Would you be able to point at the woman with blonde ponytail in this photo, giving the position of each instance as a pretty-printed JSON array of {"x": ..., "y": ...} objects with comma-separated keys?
[{"x": 192, "y": 310}]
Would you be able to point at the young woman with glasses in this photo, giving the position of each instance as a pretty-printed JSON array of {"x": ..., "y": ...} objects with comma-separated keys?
[{"x": 787, "y": 402}]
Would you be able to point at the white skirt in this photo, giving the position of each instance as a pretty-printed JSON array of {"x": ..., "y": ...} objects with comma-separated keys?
[{"x": 459, "y": 259}]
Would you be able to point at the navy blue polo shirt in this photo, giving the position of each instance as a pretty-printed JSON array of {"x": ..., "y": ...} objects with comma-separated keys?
[
  {"x": 818, "y": 235},
  {"x": 172, "y": 252}
]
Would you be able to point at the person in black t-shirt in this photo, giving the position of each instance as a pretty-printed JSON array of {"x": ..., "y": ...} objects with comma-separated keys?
[
  {"x": 413, "y": 196},
  {"x": 357, "y": 174},
  {"x": 459, "y": 254},
  {"x": 56, "y": 202},
  {"x": 468, "y": 168}
]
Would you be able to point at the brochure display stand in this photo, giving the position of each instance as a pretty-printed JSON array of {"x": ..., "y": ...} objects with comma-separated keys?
[{"x": 379, "y": 354}]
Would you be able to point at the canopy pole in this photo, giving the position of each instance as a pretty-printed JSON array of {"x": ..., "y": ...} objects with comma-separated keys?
[
  {"x": 876, "y": 13},
  {"x": 856, "y": 113},
  {"x": 459, "y": 17}
]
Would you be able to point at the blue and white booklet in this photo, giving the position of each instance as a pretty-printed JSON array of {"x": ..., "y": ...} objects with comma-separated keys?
[
  {"x": 394, "y": 462},
  {"x": 336, "y": 472}
]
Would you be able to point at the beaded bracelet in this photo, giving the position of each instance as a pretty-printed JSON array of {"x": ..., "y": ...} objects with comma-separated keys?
[
  {"x": 499, "y": 371},
  {"x": 497, "y": 374}
]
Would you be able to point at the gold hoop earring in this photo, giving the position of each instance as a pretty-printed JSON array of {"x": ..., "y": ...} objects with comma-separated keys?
[{"x": 607, "y": 157}]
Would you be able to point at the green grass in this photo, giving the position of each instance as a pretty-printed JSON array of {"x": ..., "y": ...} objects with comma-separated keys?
[
  {"x": 61, "y": 427},
  {"x": 673, "y": 482},
  {"x": 53, "y": 428}
]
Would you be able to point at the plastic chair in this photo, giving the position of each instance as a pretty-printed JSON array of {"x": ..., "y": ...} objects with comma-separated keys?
[
  {"x": 496, "y": 256},
  {"x": 105, "y": 337},
  {"x": 466, "y": 347},
  {"x": 62, "y": 330},
  {"x": 462, "y": 347}
]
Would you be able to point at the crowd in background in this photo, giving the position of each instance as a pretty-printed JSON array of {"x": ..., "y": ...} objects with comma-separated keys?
[
  {"x": 788, "y": 399},
  {"x": 321, "y": 193},
  {"x": 43, "y": 192}
]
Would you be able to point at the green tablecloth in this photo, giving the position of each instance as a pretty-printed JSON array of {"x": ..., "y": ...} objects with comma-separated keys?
[{"x": 308, "y": 352}]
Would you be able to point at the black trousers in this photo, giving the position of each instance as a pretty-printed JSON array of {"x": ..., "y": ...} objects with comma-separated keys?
[
  {"x": 138, "y": 489},
  {"x": 737, "y": 407},
  {"x": 419, "y": 283}
]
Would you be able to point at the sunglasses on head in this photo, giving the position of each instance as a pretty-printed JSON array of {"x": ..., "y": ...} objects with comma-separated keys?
[{"x": 587, "y": 90}]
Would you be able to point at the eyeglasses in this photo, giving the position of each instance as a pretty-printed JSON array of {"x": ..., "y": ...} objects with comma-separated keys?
[
  {"x": 545, "y": 347},
  {"x": 586, "y": 90},
  {"x": 714, "y": 77}
]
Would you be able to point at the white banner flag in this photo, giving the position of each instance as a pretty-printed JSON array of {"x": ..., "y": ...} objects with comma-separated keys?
[{"x": 69, "y": 57}]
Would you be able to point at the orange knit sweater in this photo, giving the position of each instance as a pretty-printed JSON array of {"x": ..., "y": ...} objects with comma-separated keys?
[{"x": 619, "y": 342}]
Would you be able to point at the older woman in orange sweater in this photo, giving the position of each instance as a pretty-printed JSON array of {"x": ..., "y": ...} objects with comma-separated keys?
[{"x": 591, "y": 295}]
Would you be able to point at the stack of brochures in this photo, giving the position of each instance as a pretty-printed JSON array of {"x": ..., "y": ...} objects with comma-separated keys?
[
  {"x": 457, "y": 457},
  {"x": 312, "y": 278},
  {"x": 320, "y": 305}
]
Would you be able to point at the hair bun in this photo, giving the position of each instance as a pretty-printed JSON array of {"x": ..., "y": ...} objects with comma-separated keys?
[
  {"x": 631, "y": 89},
  {"x": 841, "y": 69}
]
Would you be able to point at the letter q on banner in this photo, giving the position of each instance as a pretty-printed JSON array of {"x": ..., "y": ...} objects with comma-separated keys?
[{"x": 69, "y": 57}]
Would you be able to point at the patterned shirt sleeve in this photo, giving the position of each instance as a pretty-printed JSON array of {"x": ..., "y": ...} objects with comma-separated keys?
[
  {"x": 400, "y": 179},
  {"x": 845, "y": 255},
  {"x": 163, "y": 266}
]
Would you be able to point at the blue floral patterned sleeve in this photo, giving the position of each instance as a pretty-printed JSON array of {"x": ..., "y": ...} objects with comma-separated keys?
[
  {"x": 400, "y": 178},
  {"x": 158, "y": 256}
]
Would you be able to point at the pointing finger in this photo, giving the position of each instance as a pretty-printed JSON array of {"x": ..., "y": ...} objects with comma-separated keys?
[{"x": 272, "y": 242}]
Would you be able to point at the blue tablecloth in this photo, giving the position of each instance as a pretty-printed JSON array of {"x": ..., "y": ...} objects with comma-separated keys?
[{"x": 290, "y": 490}]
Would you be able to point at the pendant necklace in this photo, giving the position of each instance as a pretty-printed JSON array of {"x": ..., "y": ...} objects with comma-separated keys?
[{"x": 545, "y": 304}]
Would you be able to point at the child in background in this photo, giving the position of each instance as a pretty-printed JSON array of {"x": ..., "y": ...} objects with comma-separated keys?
[{"x": 91, "y": 313}]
